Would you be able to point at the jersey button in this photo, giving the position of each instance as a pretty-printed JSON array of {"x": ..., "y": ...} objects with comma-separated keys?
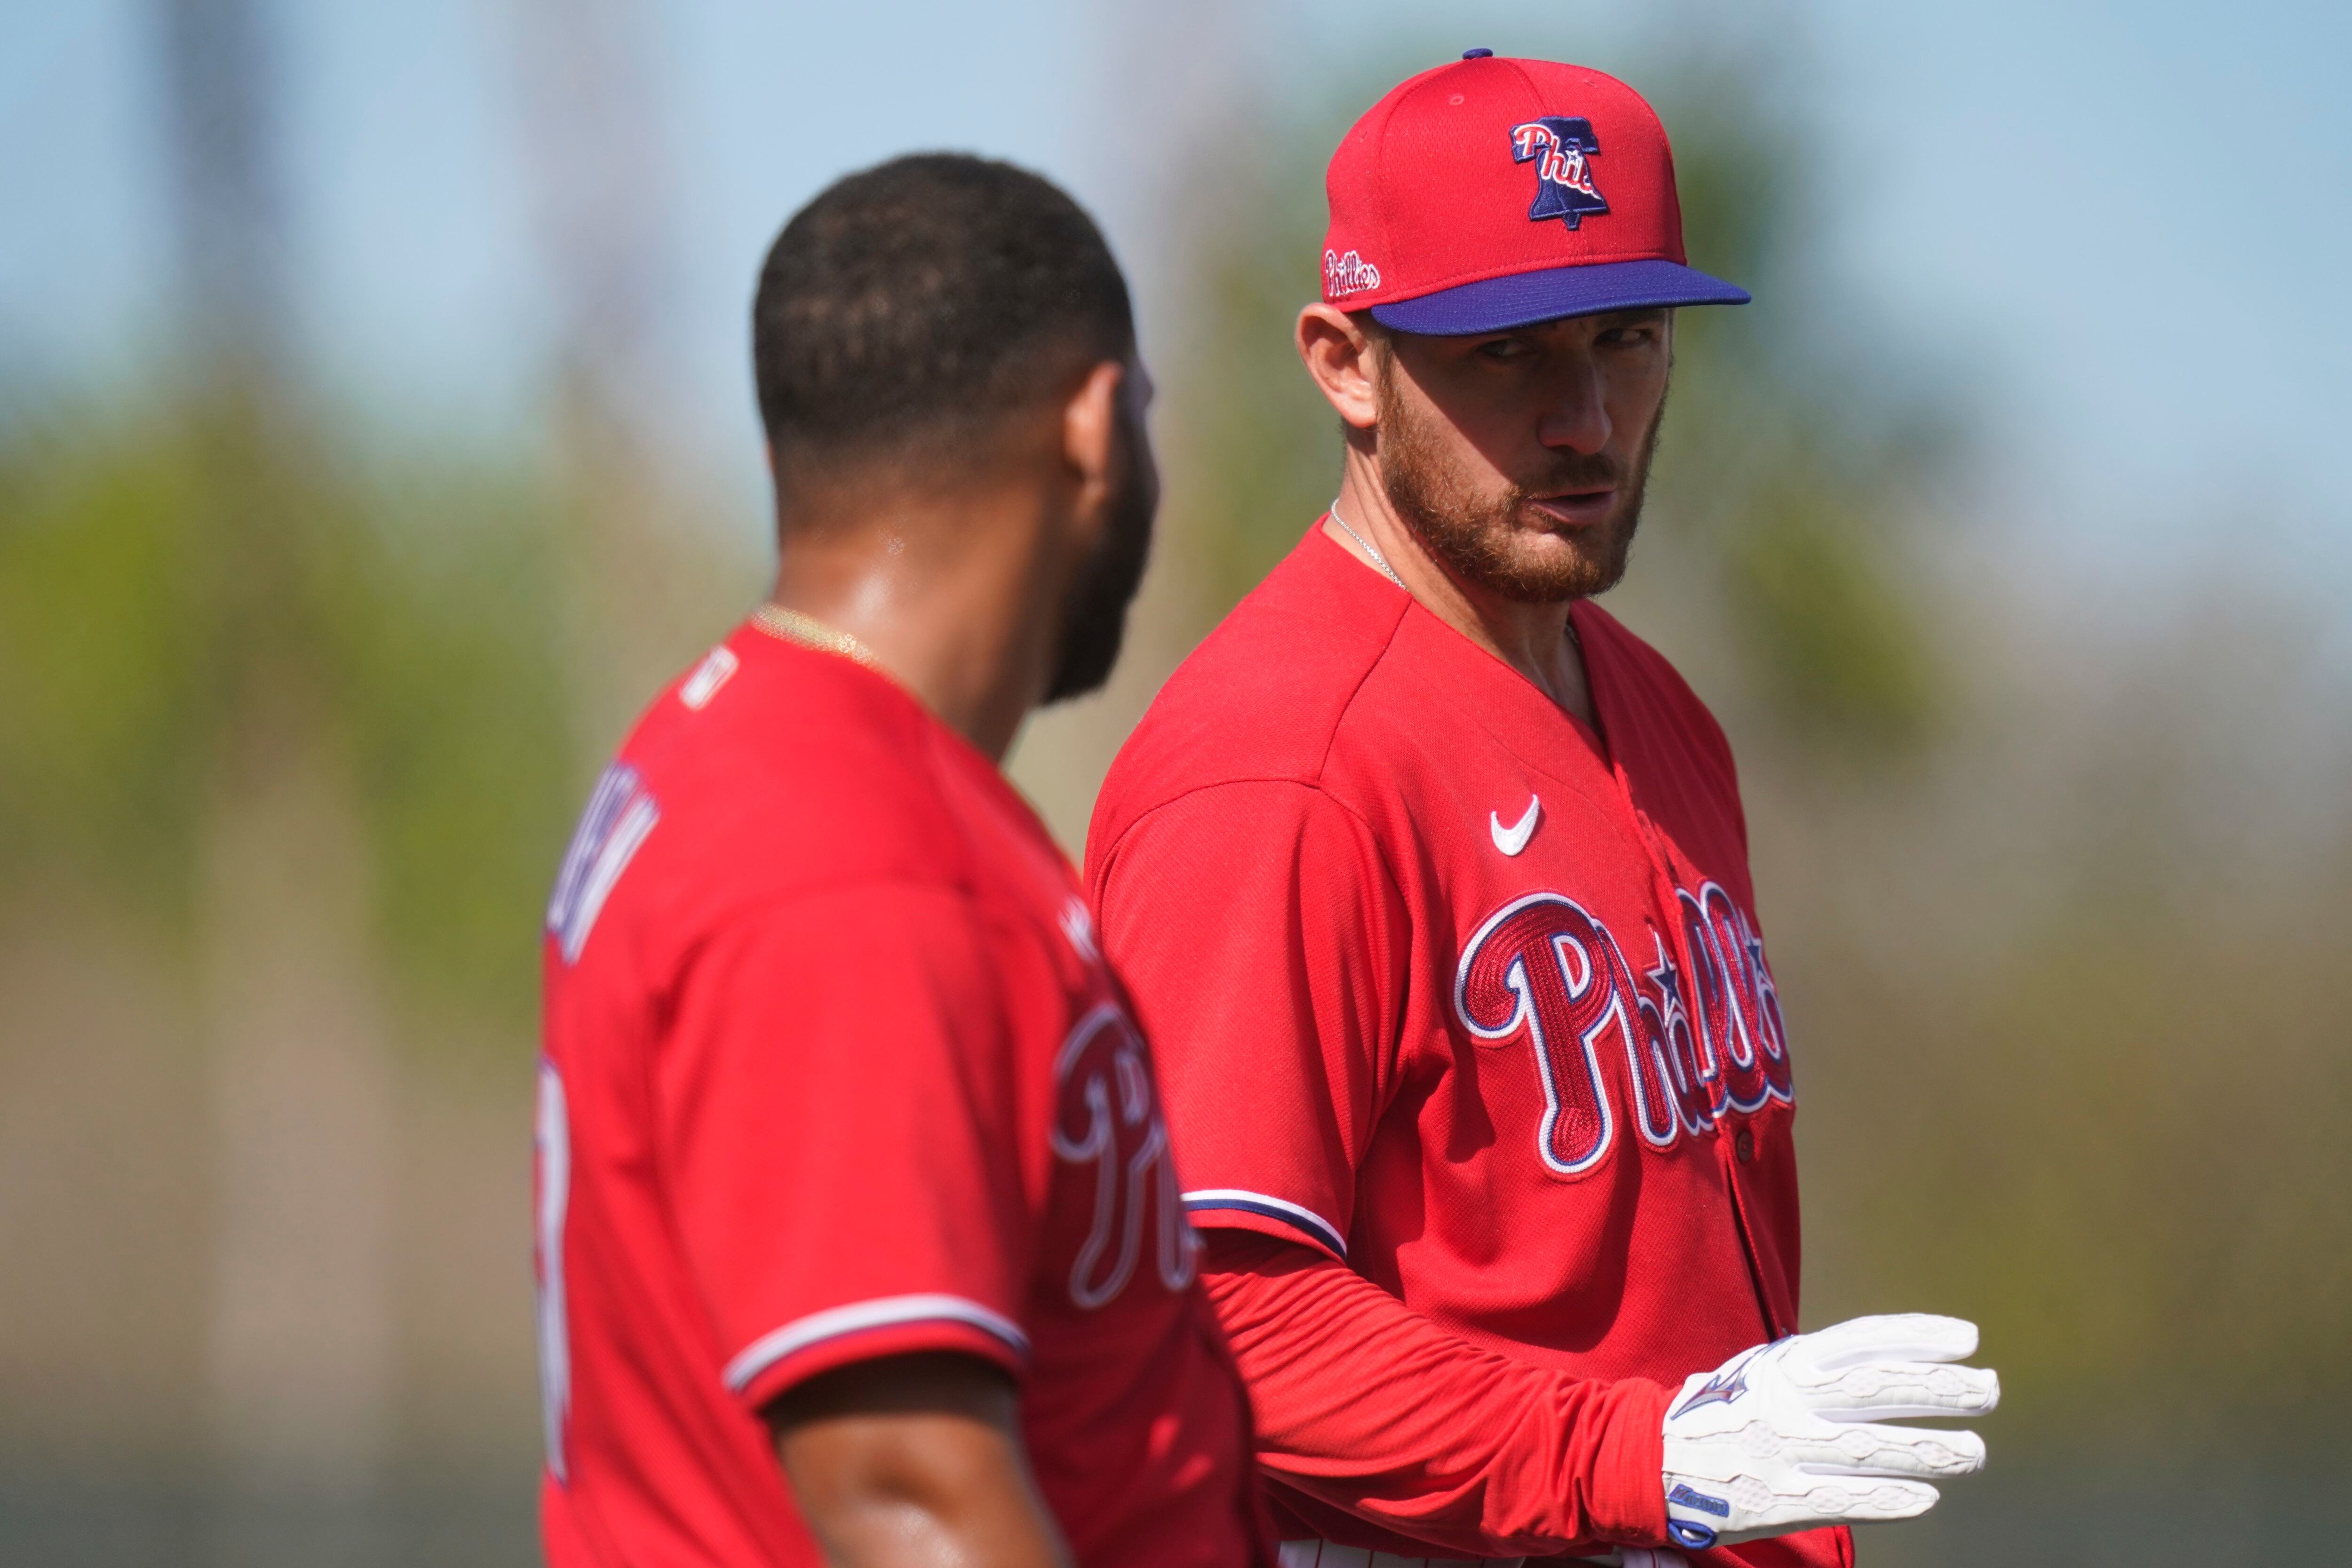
[{"x": 1744, "y": 1146}]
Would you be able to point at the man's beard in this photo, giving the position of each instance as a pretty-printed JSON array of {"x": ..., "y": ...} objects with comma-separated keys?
[
  {"x": 1094, "y": 612},
  {"x": 1474, "y": 535}
]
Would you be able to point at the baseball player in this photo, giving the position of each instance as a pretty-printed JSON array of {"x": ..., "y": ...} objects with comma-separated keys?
[
  {"x": 1430, "y": 883},
  {"x": 858, "y": 1235}
]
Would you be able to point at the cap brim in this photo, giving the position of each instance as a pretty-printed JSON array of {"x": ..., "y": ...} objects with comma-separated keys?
[{"x": 1523, "y": 299}]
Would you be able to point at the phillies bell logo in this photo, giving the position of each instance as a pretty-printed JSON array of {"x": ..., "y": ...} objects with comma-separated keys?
[{"x": 1557, "y": 145}]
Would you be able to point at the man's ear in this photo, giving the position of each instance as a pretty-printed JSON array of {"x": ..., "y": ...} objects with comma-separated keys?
[
  {"x": 1338, "y": 354},
  {"x": 1090, "y": 431}
]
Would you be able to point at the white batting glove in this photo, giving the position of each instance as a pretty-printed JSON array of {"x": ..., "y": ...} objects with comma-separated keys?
[{"x": 1784, "y": 1436}]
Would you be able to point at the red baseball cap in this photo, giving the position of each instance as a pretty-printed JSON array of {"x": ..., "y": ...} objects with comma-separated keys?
[{"x": 1490, "y": 194}]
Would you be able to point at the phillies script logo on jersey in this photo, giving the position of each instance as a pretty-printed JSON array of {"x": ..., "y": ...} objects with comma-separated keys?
[
  {"x": 1107, "y": 1119},
  {"x": 1557, "y": 144},
  {"x": 1544, "y": 970}
]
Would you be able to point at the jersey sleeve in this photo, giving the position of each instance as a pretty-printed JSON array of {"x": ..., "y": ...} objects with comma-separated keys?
[
  {"x": 1260, "y": 938},
  {"x": 1367, "y": 1410},
  {"x": 838, "y": 1116}
]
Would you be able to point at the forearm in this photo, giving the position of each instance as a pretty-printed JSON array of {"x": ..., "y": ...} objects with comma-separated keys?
[
  {"x": 1364, "y": 1404},
  {"x": 916, "y": 1463}
]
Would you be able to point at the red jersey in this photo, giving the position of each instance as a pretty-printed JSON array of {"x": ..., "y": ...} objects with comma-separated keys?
[
  {"x": 833, "y": 1070},
  {"x": 1452, "y": 989}
]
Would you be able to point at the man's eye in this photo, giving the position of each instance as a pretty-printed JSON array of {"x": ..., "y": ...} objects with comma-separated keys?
[
  {"x": 1503, "y": 348},
  {"x": 1627, "y": 337}
]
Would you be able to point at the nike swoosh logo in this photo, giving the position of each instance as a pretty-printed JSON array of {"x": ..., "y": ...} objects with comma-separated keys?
[{"x": 1512, "y": 839}]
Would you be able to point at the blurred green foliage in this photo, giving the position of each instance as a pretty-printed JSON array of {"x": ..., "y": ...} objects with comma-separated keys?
[
  {"x": 214, "y": 575},
  {"x": 469, "y": 765},
  {"x": 1840, "y": 651},
  {"x": 1262, "y": 446},
  {"x": 100, "y": 664}
]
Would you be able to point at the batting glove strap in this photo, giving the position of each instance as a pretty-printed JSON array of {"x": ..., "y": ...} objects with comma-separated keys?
[{"x": 1789, "y": 1435}]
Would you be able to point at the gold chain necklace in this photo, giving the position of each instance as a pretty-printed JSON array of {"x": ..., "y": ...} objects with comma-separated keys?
[{"x": 809, "y": 632}]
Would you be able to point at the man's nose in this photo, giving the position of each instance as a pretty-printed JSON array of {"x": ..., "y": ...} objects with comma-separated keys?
[{"x": 1576, "y": 414}]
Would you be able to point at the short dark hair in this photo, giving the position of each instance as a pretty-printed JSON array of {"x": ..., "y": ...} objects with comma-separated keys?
[{"x": 920, "y": 301}]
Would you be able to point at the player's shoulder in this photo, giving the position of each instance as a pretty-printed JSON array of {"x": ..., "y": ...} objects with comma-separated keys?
[
  {"x": 1265, "y": 694},
  {"x": 1652, "y": 685},
  {"x": 779, "y": 770}
]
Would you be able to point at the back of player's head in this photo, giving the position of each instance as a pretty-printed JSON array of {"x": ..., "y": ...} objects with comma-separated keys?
[{"x": 912, "y": 307}]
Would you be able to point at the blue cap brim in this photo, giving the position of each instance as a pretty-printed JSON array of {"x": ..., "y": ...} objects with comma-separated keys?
[{"x": 1523, "y": 299}]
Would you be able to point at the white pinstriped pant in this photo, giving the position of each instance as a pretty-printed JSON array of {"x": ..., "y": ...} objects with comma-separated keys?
[{"x": 1331, "y": 1554}]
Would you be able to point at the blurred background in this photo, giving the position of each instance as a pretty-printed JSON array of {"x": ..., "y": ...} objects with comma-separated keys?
[{"x": 376, "y": 434}]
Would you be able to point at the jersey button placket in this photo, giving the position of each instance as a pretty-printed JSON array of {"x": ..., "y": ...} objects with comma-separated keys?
[{"x": 1743, "y": 1148}]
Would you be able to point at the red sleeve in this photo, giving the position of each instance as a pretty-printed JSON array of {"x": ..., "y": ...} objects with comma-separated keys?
[
  {"x": 1261, "y": 940},
  {"x": 1366, "y": 1406},
  {"x": 838, "y": 1115}
]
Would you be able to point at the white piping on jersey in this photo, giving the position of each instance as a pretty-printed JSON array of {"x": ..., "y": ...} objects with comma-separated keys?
[
  {"x": 1306, "y": 1219},
  {"x": 553, "y": 1145},
  {"x": 884, "y": 1312}
]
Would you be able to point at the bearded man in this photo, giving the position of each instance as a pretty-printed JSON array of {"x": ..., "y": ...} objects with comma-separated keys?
[
  {"x": 859, "y": 1242},
  {"x": 1429, "y": 882}
]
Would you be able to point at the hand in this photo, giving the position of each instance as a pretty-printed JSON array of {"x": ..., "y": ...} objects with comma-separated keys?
[{"x": 1783, "y": 1437}]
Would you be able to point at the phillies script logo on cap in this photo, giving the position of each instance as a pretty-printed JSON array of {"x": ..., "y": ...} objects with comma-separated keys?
[
  {"x": 1348, "y": 274},
  {"x": 1432, "y": 230},
  {"x": 1557, "y": 144}
]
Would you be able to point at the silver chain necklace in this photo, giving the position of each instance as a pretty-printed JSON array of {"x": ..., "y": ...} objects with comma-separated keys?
[{"x": 1370, "y": 549}]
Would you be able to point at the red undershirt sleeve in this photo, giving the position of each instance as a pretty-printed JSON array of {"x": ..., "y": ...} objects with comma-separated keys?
[{"x": 1364, "y": 1404}]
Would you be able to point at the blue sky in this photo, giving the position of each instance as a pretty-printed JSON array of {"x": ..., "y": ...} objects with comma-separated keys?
[
  {"x": 2133, "y": 215},
  {"x": 2125, "y": 222}
]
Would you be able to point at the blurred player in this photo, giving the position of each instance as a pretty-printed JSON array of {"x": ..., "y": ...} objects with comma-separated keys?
[
  {"x": 1430, "y": 883},
  {"x": 858, "y": 1235}
]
